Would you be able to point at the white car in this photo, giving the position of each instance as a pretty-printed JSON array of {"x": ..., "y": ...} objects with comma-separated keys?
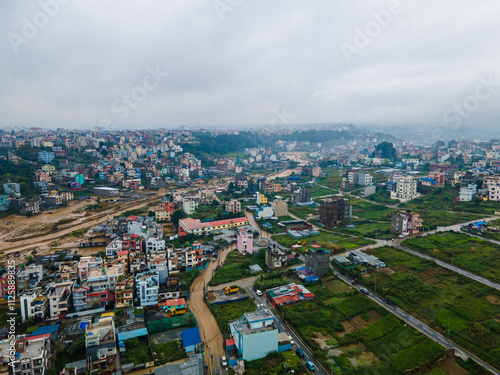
[
  {"x": 401, "y": 236},
  {"x": 223, "y": 361},
  {"x": 258, "y": 292}
]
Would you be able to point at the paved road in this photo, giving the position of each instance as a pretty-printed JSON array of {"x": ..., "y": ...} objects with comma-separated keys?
[
  {"x": 284, "y": 327},
  {"x": 452, "y": 268},
  {"x": 421, "y": 327}
]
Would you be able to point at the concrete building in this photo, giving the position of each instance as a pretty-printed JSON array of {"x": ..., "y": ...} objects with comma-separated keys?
[
  {"x": 189, "y": 206},
  {"x": 59, "y": 295},
  {"x": 493, "y": 185},
  {"x": 12, "y": 188},
  {"x": 438, "y": 176},
  {"x": 301, "y": 196},
  {"x": 275, "y": 258},
  {"x": 46, "y": 157},
  {"x": 406, "y": 223},
  {"x": 254, "y": 335},
  {"x": 29, "y": 277},
  {"x": 245, "y": 242},
  {"x": 100, "y": 344},
  {"x": 164, "y": 211},
  {"x": 198, "y": 227},
  {"x": 467, "y": 193},
  {"x": 360, "y": 178},
  {"x": 317, "y": 260},
  {"x": 32, "y": 356},
  {"x": 280, "y": 208},
  {"x": 368, "y": 190},
  {"x": 260, "y": 198},
  {"x": 335, "y": 212},
  {"x": 233, "y": 206},
  {"x": 147, "y": 284},
  {"x": 406, "y": 189},
  {"x": 34, "y": 304}
]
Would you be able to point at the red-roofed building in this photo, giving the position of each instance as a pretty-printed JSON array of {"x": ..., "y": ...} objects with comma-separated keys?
[
  {"x": 288, "y": 294},
  {"x": 196, "y": 226},
  {"x": 169, "y": 304}
]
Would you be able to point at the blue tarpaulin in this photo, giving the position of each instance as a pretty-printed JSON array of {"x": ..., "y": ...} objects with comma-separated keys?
[{"x": 46, "y": 330}]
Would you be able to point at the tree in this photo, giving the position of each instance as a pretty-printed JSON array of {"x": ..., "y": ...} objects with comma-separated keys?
[
  {"x": 214, "y": 203},
  {"x": 177, "y": 215},
  {"x": 30, "y": 260},
  {"x": 385, "y": 150}
]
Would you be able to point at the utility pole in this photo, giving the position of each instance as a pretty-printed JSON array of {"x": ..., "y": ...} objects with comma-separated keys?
[
  {"x": 453, "y": 257},
  {"x": 375, "y": 284},
  {"x": 449, "y": 321}
]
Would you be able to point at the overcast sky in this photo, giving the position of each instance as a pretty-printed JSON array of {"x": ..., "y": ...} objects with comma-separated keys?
[{"x": 78, "y": 64}]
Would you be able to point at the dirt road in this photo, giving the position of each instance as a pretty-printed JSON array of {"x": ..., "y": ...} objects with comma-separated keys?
[
  {"x": 209, "y": 329},
  {"x": 42, "y": 242}
]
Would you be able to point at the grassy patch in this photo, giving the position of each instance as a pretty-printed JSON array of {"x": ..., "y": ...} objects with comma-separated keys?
[
  {"x": 236, "y": 267},
  {"x": 472, "y": 254},
  {"x": 168, "y": 352},
  {"x": 442, "y": 299},
  {"x": 274, "y": 363},
  {"x": 231, "y": 311},
  {"x": 137, "y": 351}
]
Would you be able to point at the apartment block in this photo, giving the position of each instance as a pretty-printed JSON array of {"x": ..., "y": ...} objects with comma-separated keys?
[
  {"x": 335, "y": 212},
  {"x": 147, "y": 285}
]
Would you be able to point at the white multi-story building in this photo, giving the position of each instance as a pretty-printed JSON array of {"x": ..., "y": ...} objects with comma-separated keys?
[
  {"x": 86, "y": 264},
  {"x": 59, "y": 295},
  {"x": 493, "y": 185},
  {"x": 406, "y": 189},
  {"x": 467, "y": 193},
  {"x": 147, "y": 284},
  {"x": 32, "y": 356},
  {"x": 189, "y": 206},
  {"x": 254, "y": 335},
  {"x": 34, "y": 304},
  {"x": 360, "y": 178}
]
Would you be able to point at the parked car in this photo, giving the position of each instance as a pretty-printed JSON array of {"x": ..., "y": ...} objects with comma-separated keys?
[
  {"x": 310, "y": 366},
  {"x": 401, "y": 236},
  {"x": 300, "y": 353},
  {"x": 364, "y": 290},
  {"x": 258, "y": 292},
  {"x": 223, "y": 361}
]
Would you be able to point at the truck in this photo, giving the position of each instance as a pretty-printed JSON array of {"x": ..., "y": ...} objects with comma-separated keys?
[
  {"x": 175, "y": 312},
  {"x": 231, "y": 289}
]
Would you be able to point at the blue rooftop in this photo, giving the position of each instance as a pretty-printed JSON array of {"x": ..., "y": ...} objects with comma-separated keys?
[
  {"x": 190, "y": 337},
  {"x": 44, "y": 330}
]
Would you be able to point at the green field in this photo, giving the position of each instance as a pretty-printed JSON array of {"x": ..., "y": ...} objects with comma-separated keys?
[
  {"x": 442, "y": 299},
  {"x": 319, "y": 191},
  {"x": 274, "y": 363},
  {"x": 384, "y": 346},
  {"x": 303, "y": 212},
  {"x": 335, "y": 242},
  {"x": 472, "y": 254},
  {"x": 231, "y": 311},
  {"x": 367, "y": 228},
  {"x": 370, "y": 211},
  {"x": 236, "y": 267}
]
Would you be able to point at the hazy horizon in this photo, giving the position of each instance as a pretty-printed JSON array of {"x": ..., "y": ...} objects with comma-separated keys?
[{"x": 124, "y": 65}]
